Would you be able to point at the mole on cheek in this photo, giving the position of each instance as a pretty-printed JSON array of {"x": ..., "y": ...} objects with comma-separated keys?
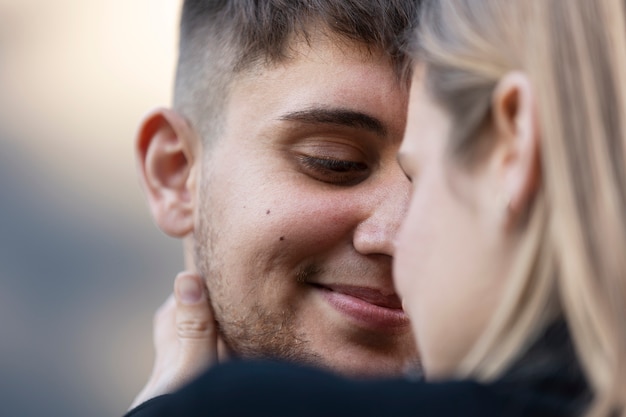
[
  {"x": 267, "y": 212},
  {"x": 282, "y": 238}
]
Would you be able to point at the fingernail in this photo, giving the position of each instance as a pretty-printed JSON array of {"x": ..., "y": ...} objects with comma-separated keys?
[{"x": 190, "y": 290}]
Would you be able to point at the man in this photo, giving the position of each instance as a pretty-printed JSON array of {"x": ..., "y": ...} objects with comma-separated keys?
[{"x": 278, "y": 168}]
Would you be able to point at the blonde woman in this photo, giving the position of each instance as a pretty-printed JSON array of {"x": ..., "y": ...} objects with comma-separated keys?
[
  {"x": 526, "y": 196},
  {"x": 511, "y": 260}
]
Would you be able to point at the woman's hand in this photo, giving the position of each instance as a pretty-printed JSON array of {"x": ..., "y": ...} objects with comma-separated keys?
[{"x": 185, "y": 338}]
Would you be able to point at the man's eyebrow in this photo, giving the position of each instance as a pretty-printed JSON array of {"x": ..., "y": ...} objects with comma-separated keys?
[{"x": 339, "y": 117}]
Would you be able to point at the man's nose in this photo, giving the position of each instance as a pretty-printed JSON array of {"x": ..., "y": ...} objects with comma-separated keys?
[{"x": 385, "y": 208}]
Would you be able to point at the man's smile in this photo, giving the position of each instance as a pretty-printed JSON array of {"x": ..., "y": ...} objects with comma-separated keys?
[{"x": 369, "y": 307}]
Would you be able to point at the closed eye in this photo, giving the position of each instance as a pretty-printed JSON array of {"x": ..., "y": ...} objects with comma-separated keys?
[{"x": 334, "y": 171}]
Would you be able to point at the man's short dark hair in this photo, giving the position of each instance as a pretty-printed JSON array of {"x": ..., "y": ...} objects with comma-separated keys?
[{"x": 221, "y": 38}]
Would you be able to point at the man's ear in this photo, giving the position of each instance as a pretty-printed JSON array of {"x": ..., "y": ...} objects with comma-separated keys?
[
  {"x": 516, "y": 158},
  {"x": 165, "y": 149}
]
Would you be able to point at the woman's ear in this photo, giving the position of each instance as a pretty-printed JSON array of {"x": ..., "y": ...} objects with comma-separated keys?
[
  {"x": 516, "y": 160},
  {"x": 165, "y": 148}
]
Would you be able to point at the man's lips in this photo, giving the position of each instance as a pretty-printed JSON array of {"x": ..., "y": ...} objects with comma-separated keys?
[
  {"x": 369, "y": 307},
  {"x": 369, "y": 295}
]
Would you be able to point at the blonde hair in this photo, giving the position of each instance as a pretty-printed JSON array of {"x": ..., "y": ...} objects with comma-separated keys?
[{"x": 573, "y": 257}]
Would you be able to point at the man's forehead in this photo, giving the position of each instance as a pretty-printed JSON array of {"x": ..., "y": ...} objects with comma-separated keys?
[
  {"x": 307, "y": 45},
  {"x": 325, "y": 81}
]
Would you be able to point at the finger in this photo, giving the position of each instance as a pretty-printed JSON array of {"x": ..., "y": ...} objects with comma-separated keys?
[
  {"x": 165, "y": 346},
  {"x": 195, "y": 326}
]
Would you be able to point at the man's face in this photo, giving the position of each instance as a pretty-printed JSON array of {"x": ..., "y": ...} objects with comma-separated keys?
[{"x": 299, "y": 202}]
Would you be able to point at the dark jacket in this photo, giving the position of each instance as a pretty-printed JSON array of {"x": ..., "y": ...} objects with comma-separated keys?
[{"x": 545, "y": 384}]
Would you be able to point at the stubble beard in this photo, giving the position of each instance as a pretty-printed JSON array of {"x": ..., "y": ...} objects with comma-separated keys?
[{"x": 251, "y": 331}]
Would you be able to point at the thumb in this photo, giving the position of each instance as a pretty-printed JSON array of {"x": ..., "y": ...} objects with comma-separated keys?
[{"x": 195, "y": 325}]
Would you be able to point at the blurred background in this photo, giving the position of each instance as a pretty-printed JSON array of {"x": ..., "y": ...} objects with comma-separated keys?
[{"x": 82, "y": 266}]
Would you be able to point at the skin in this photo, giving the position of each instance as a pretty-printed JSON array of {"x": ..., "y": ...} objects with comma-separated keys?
[
  {"x": 300, "y": 197},
  {"x": 276, "y": 222},
  {"x": 455, "y": 235},
  {"x": 458, "y": 239}
]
